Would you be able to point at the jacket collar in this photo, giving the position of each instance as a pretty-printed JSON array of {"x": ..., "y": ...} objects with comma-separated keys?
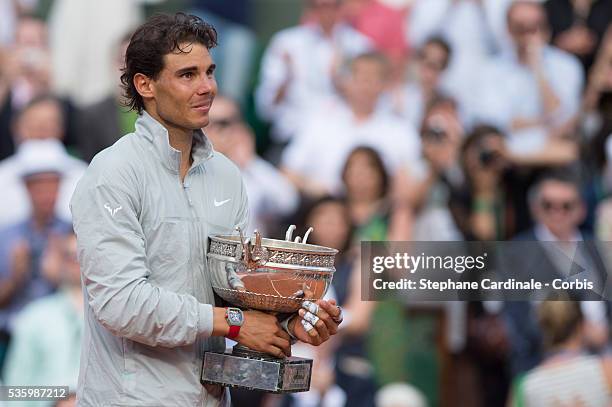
[{"x": 157, "y": 134}]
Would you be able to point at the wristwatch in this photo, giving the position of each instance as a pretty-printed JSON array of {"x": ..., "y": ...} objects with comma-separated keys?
[{"x": 234, "y": 319}]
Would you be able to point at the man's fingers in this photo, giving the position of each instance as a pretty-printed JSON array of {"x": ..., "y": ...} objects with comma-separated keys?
[
  {"x": 283, "y": 344},
  {"x": 310, "y": 330},
  {"x": 275, "y": 351},
  {"x": 281, "y": 333},
  {"x": 321, "y": 320},
  {"x": 317, "y": 322},
  {"x": 331, "y": 308}
]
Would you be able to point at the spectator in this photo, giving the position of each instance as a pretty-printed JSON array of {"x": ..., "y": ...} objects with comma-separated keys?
[
  {"x": 485, "y": 210},
  {"x": 300, "y": 64},
  {"x": 577, "y": 26},
  {"x": 41, "y": 123},
  {"x": 411, "y": 99},
  {"x": 532, "y": 92},
  {"x": 46, "y": 344},
  {"x": 558, "y": 210},
  {"x": 100, "y": 124},
  {"x": 29, "y": 62},
  {"x": 24, "y": 75},
  {"x": 466, "y": 26},
  {"x": 23, "y": 277},
  {"x": 235, "y": 54},
  {"x": 271, "y": 195},
  {"x": 331, "y": 221},
  {"x": 568, "y": 375},
  {"x": 597, "y": 102},
  {"x": 367, "y": 189},
  {"x": 441, "y": 135},
  {"x": 81, "y": 64},
  {"x": 342, "y": 124},
  {"x": 383, "y": 22}
]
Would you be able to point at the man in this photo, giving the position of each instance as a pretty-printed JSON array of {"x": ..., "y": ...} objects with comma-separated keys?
[
  {"x": 142, "y": 214},
  {"x": 41, "y": 122},
  {"x": 300, "y": 65},
  {"x": 340, "y": 125},
  {"x": 562, "y": 251},
  {"x": 271, "y": 195},
  {"x": 533, "y": 91},
  {"x": 23, "y": 277},
  {"x": 46, "y": 342},
  {"x": 100, "y": 124},
  {"x": 412, "y": 99}
]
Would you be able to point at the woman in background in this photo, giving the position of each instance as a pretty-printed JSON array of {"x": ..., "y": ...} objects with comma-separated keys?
[{"x": 568, "y": 376}]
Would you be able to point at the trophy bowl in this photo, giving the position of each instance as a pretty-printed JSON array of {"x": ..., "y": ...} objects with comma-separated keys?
[{"x": 268, "y": 275}]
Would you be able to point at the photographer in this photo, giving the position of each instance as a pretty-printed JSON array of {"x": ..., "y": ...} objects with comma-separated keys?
[
  {"x": 441, "y": 136},
  {"x": 483, "y": 209}
]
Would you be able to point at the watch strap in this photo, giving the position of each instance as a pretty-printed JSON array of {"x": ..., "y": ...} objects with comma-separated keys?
[{"x": 234, "y": 330}]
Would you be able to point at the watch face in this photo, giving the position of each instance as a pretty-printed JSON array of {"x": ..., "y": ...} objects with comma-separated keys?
[{"x": 234, "y": 316}]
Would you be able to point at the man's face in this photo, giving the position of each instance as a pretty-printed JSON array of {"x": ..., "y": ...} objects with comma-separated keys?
[
  {"x": 184, "y": 91},
  {"x": 43, "y": 190},
  {"x": 41, "y": 121},
  {"x": 432, "y": 62},
  {"x": 224, "y": 124},
  {"x": 559, "y": 208},
  {"x": 366, "y": 82},
  {"x": 325, "y": 12},
  {"x": 526, "y": 24}
]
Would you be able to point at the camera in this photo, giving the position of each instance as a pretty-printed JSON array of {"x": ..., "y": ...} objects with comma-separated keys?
[{"x": 488, "y": 157}]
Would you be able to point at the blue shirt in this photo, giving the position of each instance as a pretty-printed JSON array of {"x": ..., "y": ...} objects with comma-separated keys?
[{"x": 37, "y": 285}]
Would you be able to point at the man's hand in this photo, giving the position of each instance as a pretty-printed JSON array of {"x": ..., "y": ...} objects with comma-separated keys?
[
  {"x": 328, "y": 318},
  {"x": 262, "y": 332}
]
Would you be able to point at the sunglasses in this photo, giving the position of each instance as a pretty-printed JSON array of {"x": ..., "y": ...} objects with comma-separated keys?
[{"x": 564, "y": 206}]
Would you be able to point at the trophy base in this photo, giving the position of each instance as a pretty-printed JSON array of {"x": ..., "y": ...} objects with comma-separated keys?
[{"x": 256, "y": 371}]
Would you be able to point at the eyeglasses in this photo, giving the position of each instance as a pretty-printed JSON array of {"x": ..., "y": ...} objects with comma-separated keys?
[{"x": 562, "y": 206}]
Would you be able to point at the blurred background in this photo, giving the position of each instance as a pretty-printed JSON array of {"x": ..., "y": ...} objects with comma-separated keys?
[{"x": 369, "y": 120}]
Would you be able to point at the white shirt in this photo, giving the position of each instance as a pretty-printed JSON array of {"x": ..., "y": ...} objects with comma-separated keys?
[
  {"x": 313, "y": 57},
  {"x": 509, "y": 90},
  {"x": 270, "y": 194},
  {"x": 472, "y": 31},
  {"x": 409, "y": 103},
  {"x": 319, "y": 151},
  {"x": 16, "y": 205}
]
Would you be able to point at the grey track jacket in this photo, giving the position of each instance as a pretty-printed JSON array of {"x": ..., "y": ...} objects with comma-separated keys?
[{"x": 142, "y": 248}]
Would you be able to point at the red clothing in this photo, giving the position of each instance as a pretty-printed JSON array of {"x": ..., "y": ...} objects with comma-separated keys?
[{"x": 385, "y": 26}]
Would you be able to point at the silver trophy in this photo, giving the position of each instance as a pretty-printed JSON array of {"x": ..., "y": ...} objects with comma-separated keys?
[{"x": 269, "y": 275}]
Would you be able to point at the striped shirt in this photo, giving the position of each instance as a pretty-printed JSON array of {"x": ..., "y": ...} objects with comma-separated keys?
[{"x": 578, "y": 382}]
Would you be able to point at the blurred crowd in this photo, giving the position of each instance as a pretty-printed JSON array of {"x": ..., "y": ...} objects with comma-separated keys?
[{"x": 370, "y": 120}]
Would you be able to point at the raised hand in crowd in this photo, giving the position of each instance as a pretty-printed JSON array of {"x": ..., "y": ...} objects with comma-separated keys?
[
  {"x": 19, "y": 272},
  {"x": 600, "y": 76},
  {"x": 281, "y": 94}
]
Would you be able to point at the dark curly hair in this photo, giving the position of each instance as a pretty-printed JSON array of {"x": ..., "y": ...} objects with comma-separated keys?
[{"x": 159, "y": 36}]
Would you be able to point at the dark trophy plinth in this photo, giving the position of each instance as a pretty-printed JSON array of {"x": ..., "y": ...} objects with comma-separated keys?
[
  {"x": 268, "y": 275},
  {"x": 255, "y": 371}
]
